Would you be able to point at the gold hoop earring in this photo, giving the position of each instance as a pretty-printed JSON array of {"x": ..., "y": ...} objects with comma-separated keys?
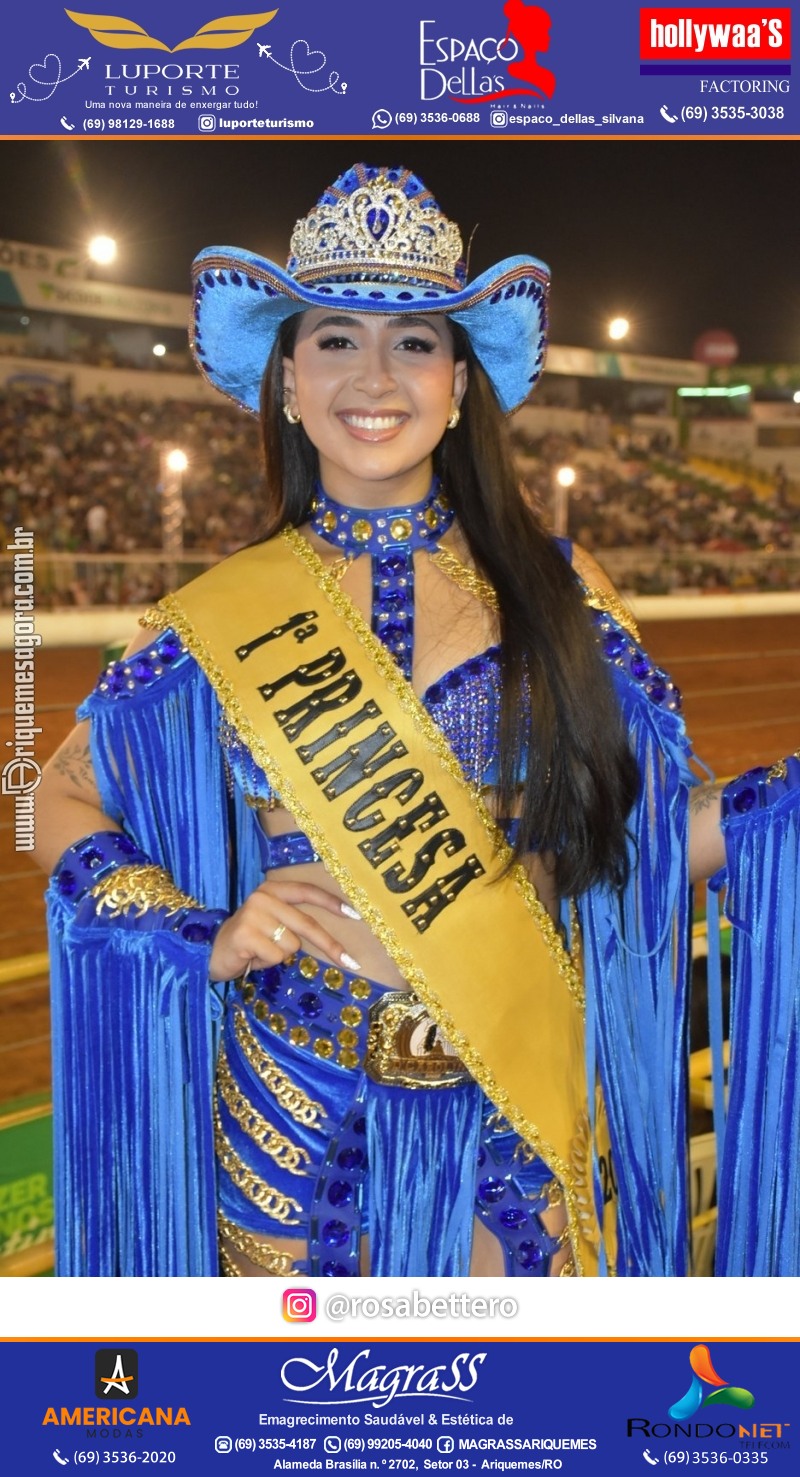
[
  {"x": 453, "y": 418},
  {"x": 292, "y": 416}
]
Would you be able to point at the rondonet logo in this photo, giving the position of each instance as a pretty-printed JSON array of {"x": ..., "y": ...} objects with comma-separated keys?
[
  {"x": 697, "y": 1395},
  {"x": 716, "y": 33},
  {"x": 707, "y": 1391},
  {"x": 128, "y": 35}
]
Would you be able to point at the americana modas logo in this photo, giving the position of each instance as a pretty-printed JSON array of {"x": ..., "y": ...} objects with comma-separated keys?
[
  {"x": 698, "y": 1394},
  {"x": 128, "y": 35},
  {"x": 116, "y": 1374}
]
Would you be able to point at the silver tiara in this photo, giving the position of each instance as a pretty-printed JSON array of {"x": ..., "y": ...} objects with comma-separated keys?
[{"x": 375, "y": 230}]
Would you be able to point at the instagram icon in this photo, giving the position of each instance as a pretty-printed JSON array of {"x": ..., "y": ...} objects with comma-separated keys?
[{"x": 300, "y": 1305}]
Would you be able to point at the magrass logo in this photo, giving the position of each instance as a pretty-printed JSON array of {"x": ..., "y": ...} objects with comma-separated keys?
[
  {"x": 127, "y": 35},
  {"x": 116, "y": 1374},
  {"x": 704, "y": 1374}
]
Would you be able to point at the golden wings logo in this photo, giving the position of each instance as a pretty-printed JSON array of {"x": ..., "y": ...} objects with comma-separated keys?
[{"x": 125, "y": 35}]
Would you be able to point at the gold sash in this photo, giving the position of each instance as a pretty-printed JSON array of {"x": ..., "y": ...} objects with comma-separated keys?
[{"x": 372, "y": 781}]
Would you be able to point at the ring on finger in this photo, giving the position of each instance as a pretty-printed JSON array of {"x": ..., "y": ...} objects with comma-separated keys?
[{"x": 278, "y": 933}]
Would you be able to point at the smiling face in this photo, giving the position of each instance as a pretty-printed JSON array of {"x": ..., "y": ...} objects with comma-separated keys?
[{"x": 374, "y": 394}]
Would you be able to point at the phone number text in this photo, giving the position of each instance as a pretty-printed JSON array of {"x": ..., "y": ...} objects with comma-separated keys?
[
  {"x": 437, "y": 117},
  {"x": 738, "y": 1458},
  {"x": 99, "y": 125}
]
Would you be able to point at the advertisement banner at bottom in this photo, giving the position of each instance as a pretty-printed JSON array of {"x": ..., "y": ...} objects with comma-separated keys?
[{"x": 392, "y": 1406}]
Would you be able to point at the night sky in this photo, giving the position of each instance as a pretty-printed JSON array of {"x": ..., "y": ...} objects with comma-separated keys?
[{"x": 677, "y": 235}]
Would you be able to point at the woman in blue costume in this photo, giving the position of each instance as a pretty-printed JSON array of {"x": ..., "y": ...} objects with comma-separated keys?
[{"x": 378, "y": 847}]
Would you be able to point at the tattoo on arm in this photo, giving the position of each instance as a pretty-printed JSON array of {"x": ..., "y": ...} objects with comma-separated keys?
[
  {"x": 704, "y": 796},
  {"x": 74, "y": 762}
]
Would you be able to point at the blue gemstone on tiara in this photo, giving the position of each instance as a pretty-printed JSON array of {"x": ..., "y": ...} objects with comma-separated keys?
[{"x": 378, "y": 222}]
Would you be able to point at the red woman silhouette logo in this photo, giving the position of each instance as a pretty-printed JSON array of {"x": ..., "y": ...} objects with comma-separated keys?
[{"x": 530, "y": 27}]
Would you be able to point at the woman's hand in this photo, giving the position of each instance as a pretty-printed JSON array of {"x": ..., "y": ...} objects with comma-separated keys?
[{"x": 248, "y": 937}]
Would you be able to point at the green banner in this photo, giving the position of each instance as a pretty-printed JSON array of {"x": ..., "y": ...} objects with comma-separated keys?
[{"x": 26, "y": 1189}]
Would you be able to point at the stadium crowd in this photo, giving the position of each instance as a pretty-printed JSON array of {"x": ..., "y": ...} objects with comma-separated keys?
[
  {"x": 638, "y": 494},
  {"x": 88, "y": 478}
]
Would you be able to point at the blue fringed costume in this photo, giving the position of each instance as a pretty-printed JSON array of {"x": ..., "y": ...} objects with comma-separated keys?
[
  {"x": 139, "y": 1033},
  {"x": 181, "y": 1106}
]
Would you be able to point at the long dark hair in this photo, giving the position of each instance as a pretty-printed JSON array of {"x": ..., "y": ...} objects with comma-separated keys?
[{"x": 560, "y": 723}]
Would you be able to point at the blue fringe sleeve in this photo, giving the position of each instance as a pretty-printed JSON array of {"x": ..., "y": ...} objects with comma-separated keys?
[
  {"x": 135, "y": 1018},
  {"x": 133, "y": 1027},
  {"x": 759, "y": 1177},
  {"x": 636, "y": 964}
]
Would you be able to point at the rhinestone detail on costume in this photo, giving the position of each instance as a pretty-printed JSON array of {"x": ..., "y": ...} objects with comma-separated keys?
[
  {"x": 390, "y": 536},
  {"x": 128, "y": 677}
]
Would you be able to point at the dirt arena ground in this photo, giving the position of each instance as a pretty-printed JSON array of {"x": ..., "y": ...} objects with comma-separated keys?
[{"x": 741, "y": 684}]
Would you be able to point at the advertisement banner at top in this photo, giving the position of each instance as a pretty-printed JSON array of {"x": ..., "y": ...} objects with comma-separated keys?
[{"x": 433, "y": 68}]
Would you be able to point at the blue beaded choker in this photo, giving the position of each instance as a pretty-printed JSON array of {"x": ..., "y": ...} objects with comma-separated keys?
[{"x": 390, "y": 536}]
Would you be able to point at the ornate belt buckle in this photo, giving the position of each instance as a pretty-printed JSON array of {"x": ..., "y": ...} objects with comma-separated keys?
[{"x": 405, "y": 1047}]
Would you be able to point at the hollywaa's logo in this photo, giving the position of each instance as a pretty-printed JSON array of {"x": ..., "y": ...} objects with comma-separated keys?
[
  {"x": 526, "y": 38},
  {"x": 126, "y": 35},
  {"x": 703, "y": 1374}
]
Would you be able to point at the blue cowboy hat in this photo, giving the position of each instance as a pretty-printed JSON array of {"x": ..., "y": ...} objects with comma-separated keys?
[{"x": 375, "y": 242}]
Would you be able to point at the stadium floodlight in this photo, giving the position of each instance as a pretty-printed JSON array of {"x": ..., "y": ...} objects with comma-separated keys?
[
  {"x": 619, "y": 328},
  {"x": 563, "y": 479},
  {"x": 102, "y": 250},
  {"x": 173, "y": 465},
  {"x": 159, "y": 350}
]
